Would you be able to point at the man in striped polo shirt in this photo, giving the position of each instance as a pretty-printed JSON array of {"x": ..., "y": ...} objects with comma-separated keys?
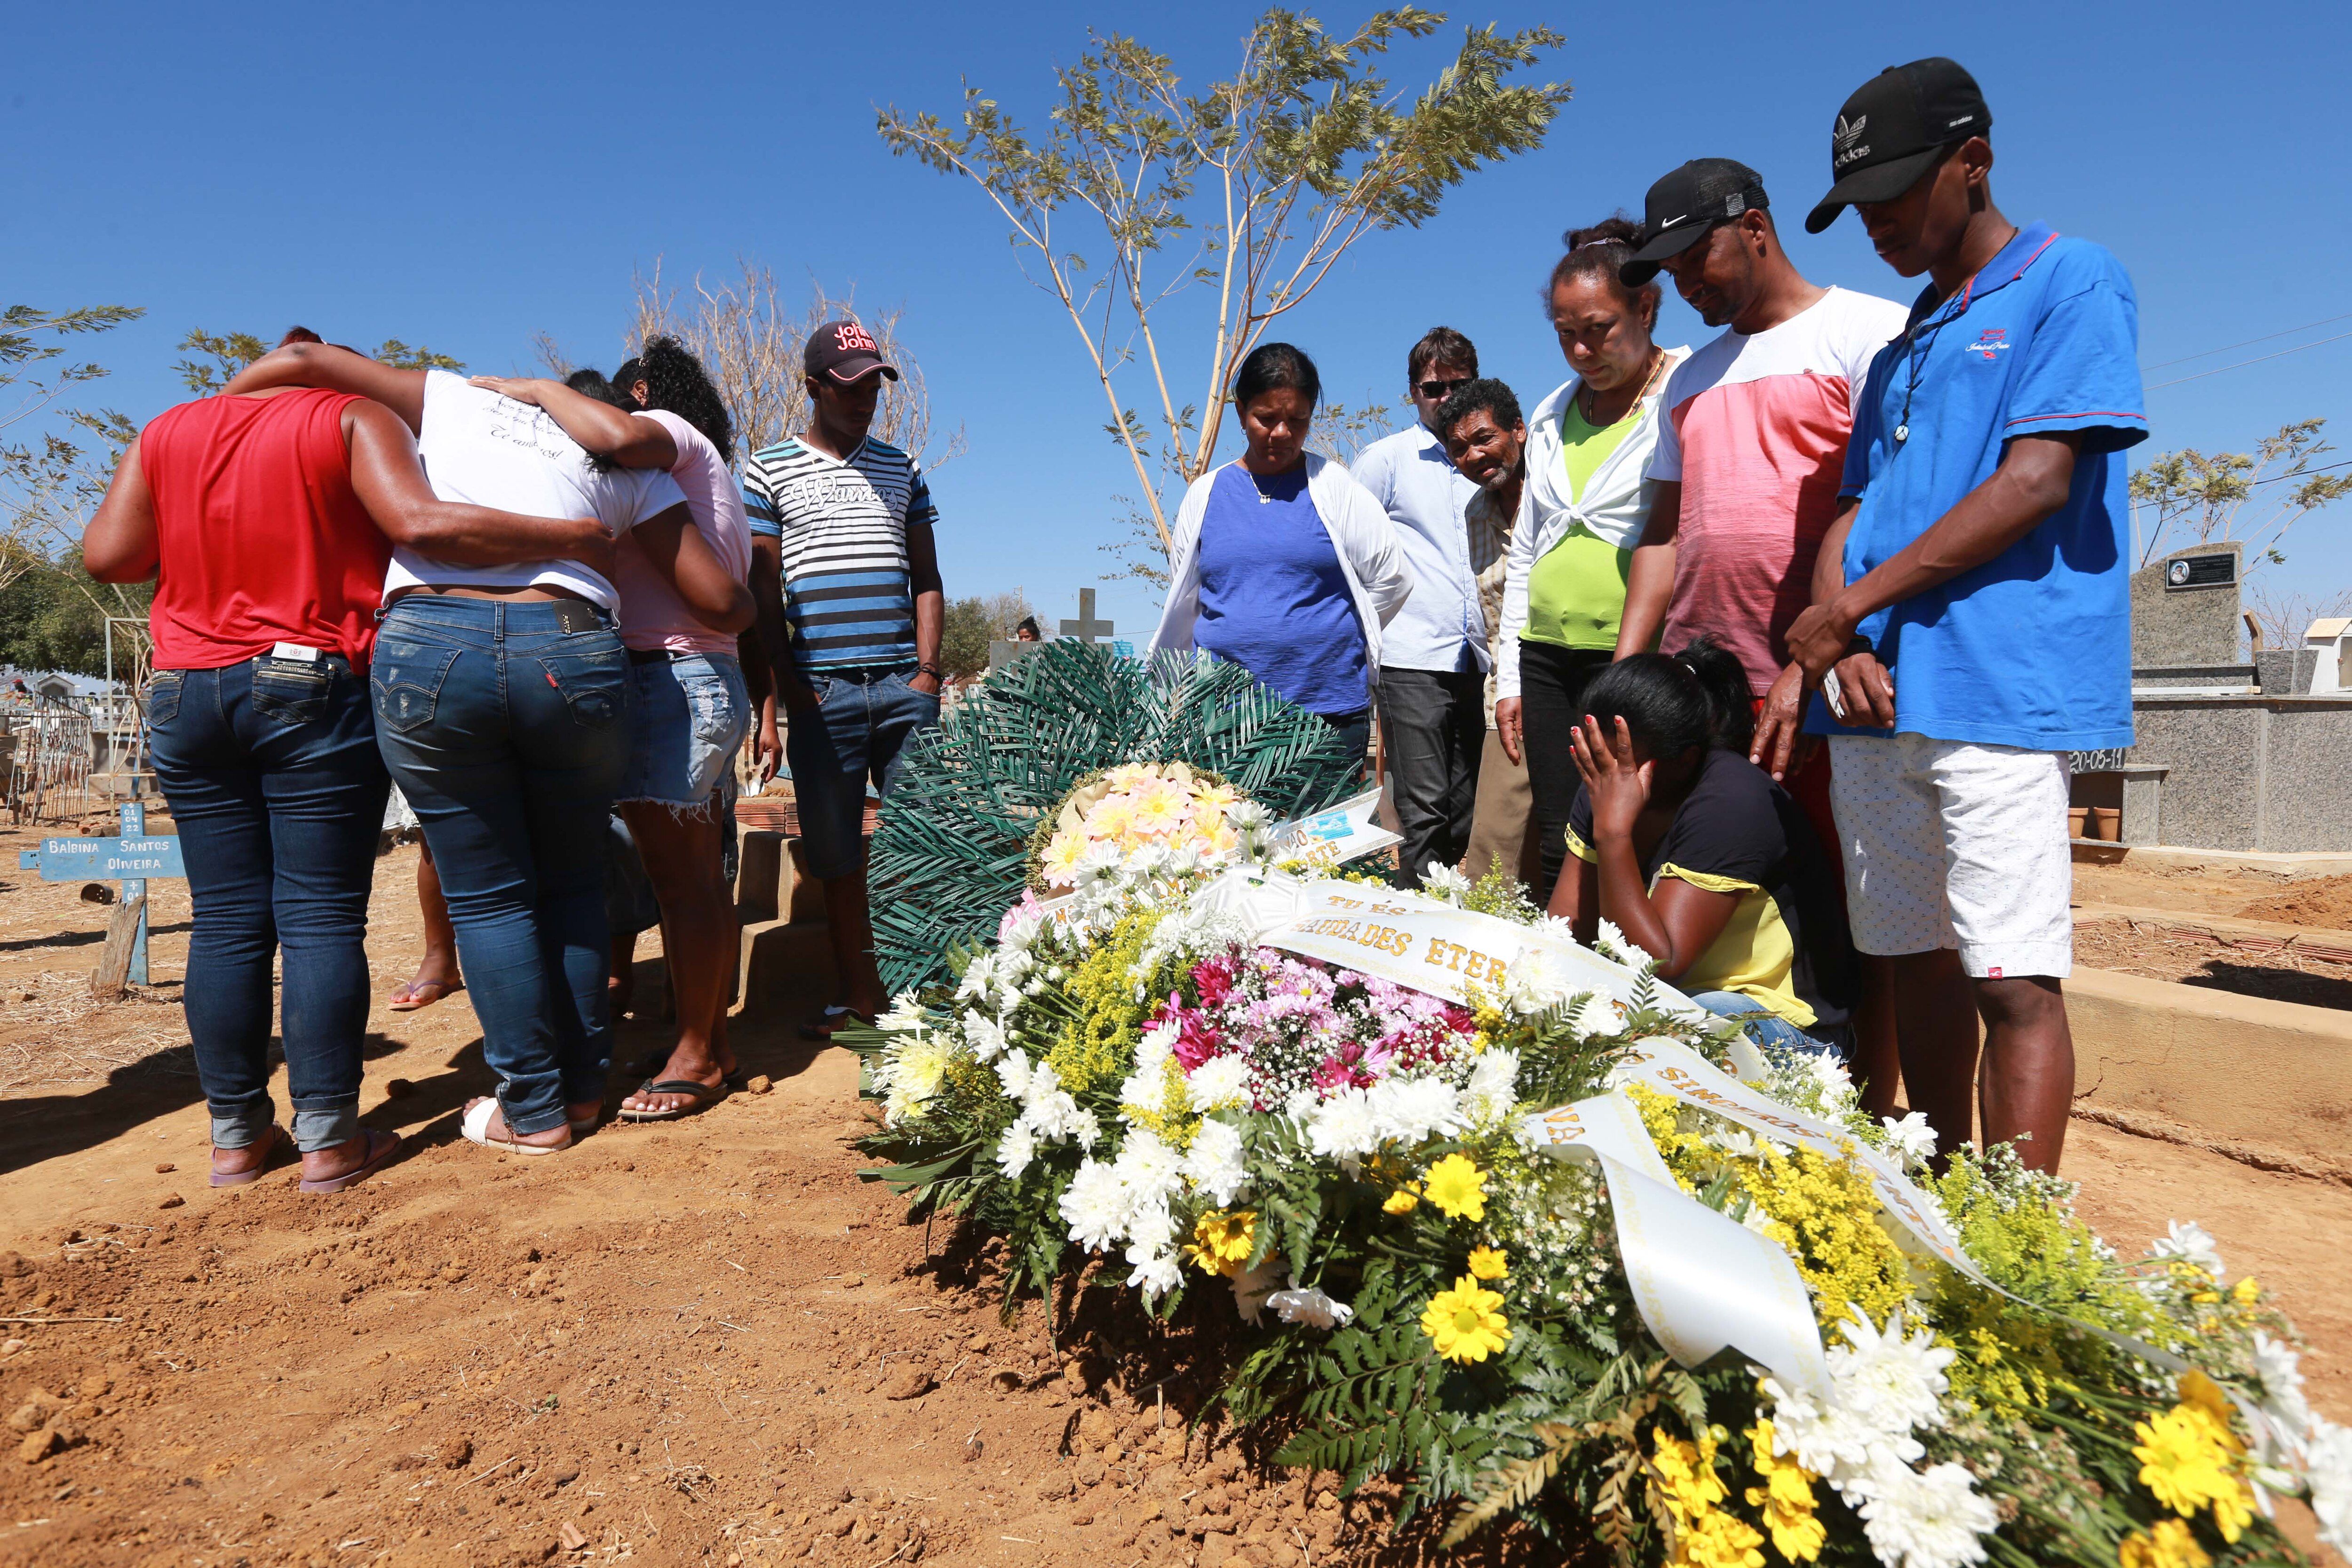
[{"x": 848, "y": 581}]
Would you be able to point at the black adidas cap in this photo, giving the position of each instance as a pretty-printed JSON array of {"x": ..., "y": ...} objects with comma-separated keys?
[
  {"x": 1684, "y": 207},
  {"x": 1891, "y": 130}
]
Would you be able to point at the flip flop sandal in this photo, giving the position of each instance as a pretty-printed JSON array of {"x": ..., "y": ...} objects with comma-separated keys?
[
  {"x": 822, "y": 1027},
  {"x": 475, "y": 1126},
  {"x": 653, "y": 1062},
  {"x": 382, "y": 1147},
  {"x": 272, "y": 1146},
  {"x": 703, "y": 1096},
  {"x": 407, "y": 998}
]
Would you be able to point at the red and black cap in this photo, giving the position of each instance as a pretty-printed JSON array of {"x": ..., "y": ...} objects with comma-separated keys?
[
  {"x": 843, "y": 352},
  {"x": 1891, "y": 130},
  {"x": 1684, "y": 207}
]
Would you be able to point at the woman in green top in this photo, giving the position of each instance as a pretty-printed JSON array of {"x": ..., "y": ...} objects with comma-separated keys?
[{"x": 1580, "y": 514}]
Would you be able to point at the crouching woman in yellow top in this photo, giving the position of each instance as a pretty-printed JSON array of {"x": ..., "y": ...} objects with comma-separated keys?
[{"x": 1699, "y": 858}]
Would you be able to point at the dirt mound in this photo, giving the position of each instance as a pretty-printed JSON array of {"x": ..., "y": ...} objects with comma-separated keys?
[{"x": 2325, "y": 902}]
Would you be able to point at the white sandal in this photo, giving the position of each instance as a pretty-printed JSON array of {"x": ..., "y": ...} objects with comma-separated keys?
[{"x": 475, "y": 1125}]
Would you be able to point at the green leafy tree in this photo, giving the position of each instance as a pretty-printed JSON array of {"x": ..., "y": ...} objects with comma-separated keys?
[
  {"x": 1252, "y": 189},
  {"x": 57, "y": 472},
  {"x": 970, "y": 625},
  {"x": 222, "y": 355}
]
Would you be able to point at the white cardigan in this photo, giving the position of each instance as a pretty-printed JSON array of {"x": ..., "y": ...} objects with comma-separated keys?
[
  {"x": 1615, "y": 506},
  {"x": 1362, "y": 534}
]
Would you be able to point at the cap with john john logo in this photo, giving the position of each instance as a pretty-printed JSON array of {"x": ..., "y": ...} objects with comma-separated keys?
[{"x": 1891, "y": 130}]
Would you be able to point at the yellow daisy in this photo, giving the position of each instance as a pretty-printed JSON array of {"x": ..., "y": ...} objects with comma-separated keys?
[
  {"x": 1466, "y": 1322},
  {"x": 1456, "y": 1185},
  {"x": 1222, "y": 1240},
  {"x": 2171, "y": 1544},
  {"x": 1489, "y": 1263}
]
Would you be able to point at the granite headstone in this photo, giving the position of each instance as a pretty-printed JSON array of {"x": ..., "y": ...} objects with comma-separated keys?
[{"x": 2184, "y": 607}]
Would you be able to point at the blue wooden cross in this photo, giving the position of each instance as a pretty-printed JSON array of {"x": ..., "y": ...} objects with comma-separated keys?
[{"x": 131, "y": 859}]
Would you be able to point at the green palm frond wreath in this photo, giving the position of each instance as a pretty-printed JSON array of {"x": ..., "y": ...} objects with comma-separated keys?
[{"x": 950, "y": 854}]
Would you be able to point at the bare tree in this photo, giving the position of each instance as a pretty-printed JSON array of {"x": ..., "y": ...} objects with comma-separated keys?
[
  {"x": 2209, "y": 496},
  {"x": 750, "y": 343},
  {"x": 1260, "y": 184},
  {"x": 2282, "y": 615}
]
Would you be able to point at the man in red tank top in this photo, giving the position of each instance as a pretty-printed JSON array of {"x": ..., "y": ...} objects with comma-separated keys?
[{"x": 267, "y": 521}]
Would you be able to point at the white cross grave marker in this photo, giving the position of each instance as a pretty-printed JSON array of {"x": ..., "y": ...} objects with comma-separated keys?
[{"x": 1086, "y": 628}]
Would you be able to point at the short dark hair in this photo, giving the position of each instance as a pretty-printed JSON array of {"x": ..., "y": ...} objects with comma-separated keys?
[
  {"x": 1485, "y": 395},
  {"x": 1440, "y": 345},
  {"x": 1598, "y": 251},
  {"x": 1272, "y": 366},
  {"x": 299, "y": 335}
]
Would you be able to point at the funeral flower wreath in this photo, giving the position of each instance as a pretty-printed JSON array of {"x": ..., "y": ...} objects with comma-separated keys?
[{"x": 1460, "y": 1174}]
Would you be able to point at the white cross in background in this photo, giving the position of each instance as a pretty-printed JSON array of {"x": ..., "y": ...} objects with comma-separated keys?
[{"x": 1086, "y": 628}]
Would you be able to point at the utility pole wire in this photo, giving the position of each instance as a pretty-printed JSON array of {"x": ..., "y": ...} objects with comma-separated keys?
[
  {"x": 2266, "y": 337},
  {"x": 2256, "y": 360}
]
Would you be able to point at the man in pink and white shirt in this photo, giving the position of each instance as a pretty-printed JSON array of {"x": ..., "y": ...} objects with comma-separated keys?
[
  {"x": 1752, "y": 454},
  {"x": 1750, "y": 457}
]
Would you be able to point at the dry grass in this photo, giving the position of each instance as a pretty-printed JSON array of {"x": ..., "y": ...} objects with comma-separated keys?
[{"x": 64, "y": 1036}]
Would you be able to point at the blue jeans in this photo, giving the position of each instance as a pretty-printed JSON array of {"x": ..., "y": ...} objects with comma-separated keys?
[
  {"x": 1772, "y": 1032},
  {"x": 271, "y": 772},
  {"x": 508, "y": 736},
  {"x": 865, "y": 717}
]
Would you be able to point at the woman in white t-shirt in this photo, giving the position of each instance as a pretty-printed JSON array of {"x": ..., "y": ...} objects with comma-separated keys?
[
  {"x": 690, "y": 710},
  {"x": 501, "y": 702}
]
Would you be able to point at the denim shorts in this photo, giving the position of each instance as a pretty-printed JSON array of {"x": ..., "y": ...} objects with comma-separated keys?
[
  {"x": 865, "y": 718},
  {"x": 1774, "y": 1032},
  {"x": 687, "y": 723}
]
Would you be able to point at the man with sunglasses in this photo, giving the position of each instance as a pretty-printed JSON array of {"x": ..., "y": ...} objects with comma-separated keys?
[
  {"x": 1971, "y": 602},
  {"x": 1433, "y": 658}
]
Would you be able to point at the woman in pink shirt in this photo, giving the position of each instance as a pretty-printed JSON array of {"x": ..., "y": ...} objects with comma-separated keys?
[{"x": 690, "y": 710}]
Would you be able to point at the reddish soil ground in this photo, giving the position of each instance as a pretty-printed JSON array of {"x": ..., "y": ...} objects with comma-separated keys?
[
  {"x": 2325, "y": 902},
  {"x": 701, "y": 1342},
  {"x": 2157, "y": 953}
]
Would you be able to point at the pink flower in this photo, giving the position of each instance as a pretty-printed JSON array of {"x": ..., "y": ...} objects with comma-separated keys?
[
  {"x": 1025, "y": 909},
  {"x": 1213, "y": 978},
  {"x": 1197, "y": 1040}
]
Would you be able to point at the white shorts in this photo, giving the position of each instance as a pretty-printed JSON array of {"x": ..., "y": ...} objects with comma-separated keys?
[{"x": 1953, "y": 845}]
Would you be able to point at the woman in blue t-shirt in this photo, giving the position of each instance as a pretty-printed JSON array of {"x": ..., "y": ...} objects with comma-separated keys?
[
  {"x": 1284, "y": 565},
  {"x": 1699, "y": 857}
]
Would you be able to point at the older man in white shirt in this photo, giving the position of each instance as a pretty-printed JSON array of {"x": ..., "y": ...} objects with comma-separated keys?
[{"x": 1433, "y": 659}]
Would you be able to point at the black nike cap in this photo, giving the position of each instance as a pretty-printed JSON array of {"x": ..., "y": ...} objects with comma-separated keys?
[
  {"x": 1684, "y": 207},
  {"x": 1890, "y": 130}
]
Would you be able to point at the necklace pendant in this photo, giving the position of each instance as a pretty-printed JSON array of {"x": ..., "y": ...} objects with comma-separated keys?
[{"x": 1902, "y": 434}]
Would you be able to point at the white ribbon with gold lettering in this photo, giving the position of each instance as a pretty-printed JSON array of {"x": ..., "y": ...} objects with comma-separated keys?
[
  {"x": 1700, "y": 1281},
  {"x": 1429, "y": 945}
]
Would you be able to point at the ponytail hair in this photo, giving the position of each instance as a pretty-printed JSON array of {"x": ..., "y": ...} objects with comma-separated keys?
[{"x": 1671, "y": 703}]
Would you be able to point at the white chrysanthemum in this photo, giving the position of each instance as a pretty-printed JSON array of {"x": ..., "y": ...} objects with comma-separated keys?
[
  {"x": 1828, "y": 1439},
  {"x": 1219, "y": 1082},
  {"x": 2188, "y": 1241},
  {"x": 1599, "y": 1014},
  {"x": 1610, "y": 939},
  {"x": 979, "y": 978},
  {"x": 1556, "y": 925},
  {"x": 1492, "y": 1089},
  {"x": 1934, "y": 1518},
  {"x": 1151, "y": 1228},
  {"x": 1301, "y": 1104},
  {"x": 1015, "y": 1150},
  {"x": 2328, "y": 1461},
  {"x": 1155, "y": 1273},
  {"x": 1079, "y": 1125},
  {"x": 900, "y": 1105},
  {"x": 1342, "y": 1127},
  {"x": 920, "y": 1065},
  {"x": 1247, "y": 816},
  {"x": 1892, "y": 1383},
  {"x": 1531, "y": 985},
  {"x": 1013, "y": 1071},
  {"x": 1251, "y": 1288},
  {"x": 1145, "y": 1091},
  {"x": 1408, "y": 1110},
  {"x": 1155, "y": 1045},
  {"x": 1444, "y": 882},
  {"x": 985, "y": 1036},
  {"x": 1310, "y": 1306},
  {"x": 2280, "y": 1372},
  {"x": 1214, "y": 1165},
  {"x": 1095, "y": 1205},
  {"x": 1912, "y": 1137},
  {"x": 906, "y": 1015},
  {"x": 1150, "y": 1167},
  {"x": 1836, "y": 1082}
]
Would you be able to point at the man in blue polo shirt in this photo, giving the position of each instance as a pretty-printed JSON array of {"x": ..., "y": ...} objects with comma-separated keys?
[{"x": 1971, "y": 604}]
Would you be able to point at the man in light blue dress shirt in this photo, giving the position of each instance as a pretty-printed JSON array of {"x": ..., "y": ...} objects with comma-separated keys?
[{"x": 1433, "y": 657}]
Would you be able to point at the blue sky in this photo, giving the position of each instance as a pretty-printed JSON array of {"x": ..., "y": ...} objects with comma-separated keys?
[{"x": 470, "y": 176}]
